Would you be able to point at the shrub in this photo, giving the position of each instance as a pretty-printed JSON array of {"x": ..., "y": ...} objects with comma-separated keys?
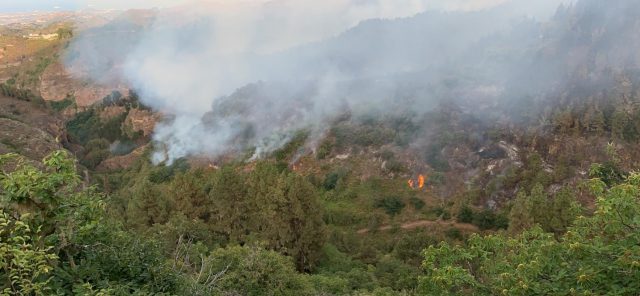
[
  {"x": 454, "y": 233},
  {"x": 417, "y": 203},
  {"x": 392, "y": 205},
  {"x": 96, "y": 151},
  {"x": 324, "y": 149},
  {"x": 331, "y": 179},
  {"x": 61, "y": 105},
  {"x": 465, "y": 215},
  {"x": 485, "y": 219},
  {"x": 395, "y": 166}
]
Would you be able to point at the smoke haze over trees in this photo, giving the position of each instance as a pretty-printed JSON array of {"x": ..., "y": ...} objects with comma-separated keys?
[{"x": 236, "y": 77}]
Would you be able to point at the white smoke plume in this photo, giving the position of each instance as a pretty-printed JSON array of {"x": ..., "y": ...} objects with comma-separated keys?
[{"x": 235, "y": 75}]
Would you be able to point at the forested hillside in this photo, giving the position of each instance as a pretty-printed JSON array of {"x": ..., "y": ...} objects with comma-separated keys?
[{"x": 511, "y": 169}]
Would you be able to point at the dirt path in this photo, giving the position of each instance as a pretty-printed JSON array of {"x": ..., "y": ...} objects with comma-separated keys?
[{"x": 425, "y": 223}]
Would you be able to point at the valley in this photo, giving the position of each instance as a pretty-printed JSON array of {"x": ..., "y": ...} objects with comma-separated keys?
[{"x": 496, "y": 161}]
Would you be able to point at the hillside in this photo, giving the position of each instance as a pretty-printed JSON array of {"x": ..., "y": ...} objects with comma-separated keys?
[{"x": 445, "y": 153}]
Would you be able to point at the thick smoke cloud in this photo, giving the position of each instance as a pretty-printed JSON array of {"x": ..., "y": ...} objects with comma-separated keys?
[{"x": 232, "y": 77}]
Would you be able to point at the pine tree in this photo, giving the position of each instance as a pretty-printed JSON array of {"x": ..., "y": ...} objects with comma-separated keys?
[
  {"x": 147, "y": 205},
  {"x": 619, "y": 122},
  {"x": 520, "y": 217},
  {"x": 230, "y": 212},
  {"x": 565, "y": 209},
  {"x": 189, "y": 192},
  {"x": 306, "y": 227},
  {"x": 593, "y": 120}
]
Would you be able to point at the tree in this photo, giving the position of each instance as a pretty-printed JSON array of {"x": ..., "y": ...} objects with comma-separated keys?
[
  {"x": 285, "y": 213},
  {"x": 565, "y": 209},
  {"x": 230, "y": 204},
  {"x": 593, "y": 121},
  {"x": 25, "y": 265},
  {"x": 189, "y": 191},
  {"x": 62, "y": 240},
  {"x": 619, "y": 123},
  {"x": 598, "y": 255},
  {"x": 540, "y": 206},
  {"x": 249, "y": 271},
  {"x": 520, "y": 215},
  {"x": 147, "y": 205},
  {"x": 304, "y": 220},
  {"x": 95, "y": 152}
]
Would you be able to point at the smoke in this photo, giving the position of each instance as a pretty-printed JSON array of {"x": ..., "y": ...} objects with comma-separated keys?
[{"x": 232, "y": 77}]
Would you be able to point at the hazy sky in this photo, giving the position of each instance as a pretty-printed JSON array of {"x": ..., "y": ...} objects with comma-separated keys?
[{"x": 52, "y": 5}]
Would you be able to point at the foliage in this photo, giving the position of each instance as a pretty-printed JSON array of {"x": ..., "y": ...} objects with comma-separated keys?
[
  {"x": 10, "y": 90},
  {"x": 73, "y": 244},
  {"x": 465, "y": 215},
  {"x": 598, "y": 255},
  {"x": 392, "y": 205},
  {"x": 608, "y": 172},
  {"x": 95, "y": 152},
  {"x": 551, "y": 214},
  {"x": 249, "y": 271},
  {"x": 88, "y": 125},
  {"x": 25, "y": 265},
  {"x": 324, "y": 149},
  {"x": 63, "y": 104},
  {"x": 417, "y": 203},
  {"x": 331, "y": 179}
]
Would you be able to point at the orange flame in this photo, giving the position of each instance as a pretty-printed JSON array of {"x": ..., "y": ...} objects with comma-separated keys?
[
  {"x": 421, "y": 180},
  {"x": 420, "y": 184}
]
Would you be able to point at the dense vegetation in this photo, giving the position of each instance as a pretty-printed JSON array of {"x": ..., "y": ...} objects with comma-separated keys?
[
  {"x": 545, "y": 202},
  {"x": 598, "y": 255},
  {"x": 229, "y": 232}
]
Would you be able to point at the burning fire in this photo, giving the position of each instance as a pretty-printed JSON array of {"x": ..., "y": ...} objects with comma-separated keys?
[{"x": 419, "y": 184}]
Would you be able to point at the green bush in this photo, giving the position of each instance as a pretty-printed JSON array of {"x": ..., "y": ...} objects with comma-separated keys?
[
  {"x": 95, "y": 152},
  {"x": 324, "y": 149},
  {"x": 417, "y": 203},
  {"x": 465, "y": 215},
  {"x": 332, "y": 179},
  {"x": 61, "y": 105},
  {"x": 485, "y": 219},
  {"x": 392, "y": 205},
  {"x": 454, "y": 233},
  {"x": 597, "y": 256}
]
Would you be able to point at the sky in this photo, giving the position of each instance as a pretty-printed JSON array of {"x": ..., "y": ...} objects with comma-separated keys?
[{"x": 12, "y": 6}]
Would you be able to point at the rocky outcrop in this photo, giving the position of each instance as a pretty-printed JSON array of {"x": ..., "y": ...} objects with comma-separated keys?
[
  {"x": 57, "y": 84},
  {"x": 111, "y": 112},
  {"x": 28, "y": 129},
  {"x": 141, "y": 120},
  {"x": 121, "y": 162},
  {"x": 29, "y": 141}
]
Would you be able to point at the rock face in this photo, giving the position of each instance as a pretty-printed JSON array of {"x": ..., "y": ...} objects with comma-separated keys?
[
  {"x": 28, "y": 129},
  {"x": 121, "y": 162},
  {"x": 88, "y": 95},
  {"x": 57, "y": 84},
  {"x": 26, "y": 140},
  {"x": 141, "y": 120},
  {"x": 111, "y": 112}
]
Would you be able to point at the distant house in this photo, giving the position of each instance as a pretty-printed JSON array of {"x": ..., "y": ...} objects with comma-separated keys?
[{"x": 34, "y": 36}]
